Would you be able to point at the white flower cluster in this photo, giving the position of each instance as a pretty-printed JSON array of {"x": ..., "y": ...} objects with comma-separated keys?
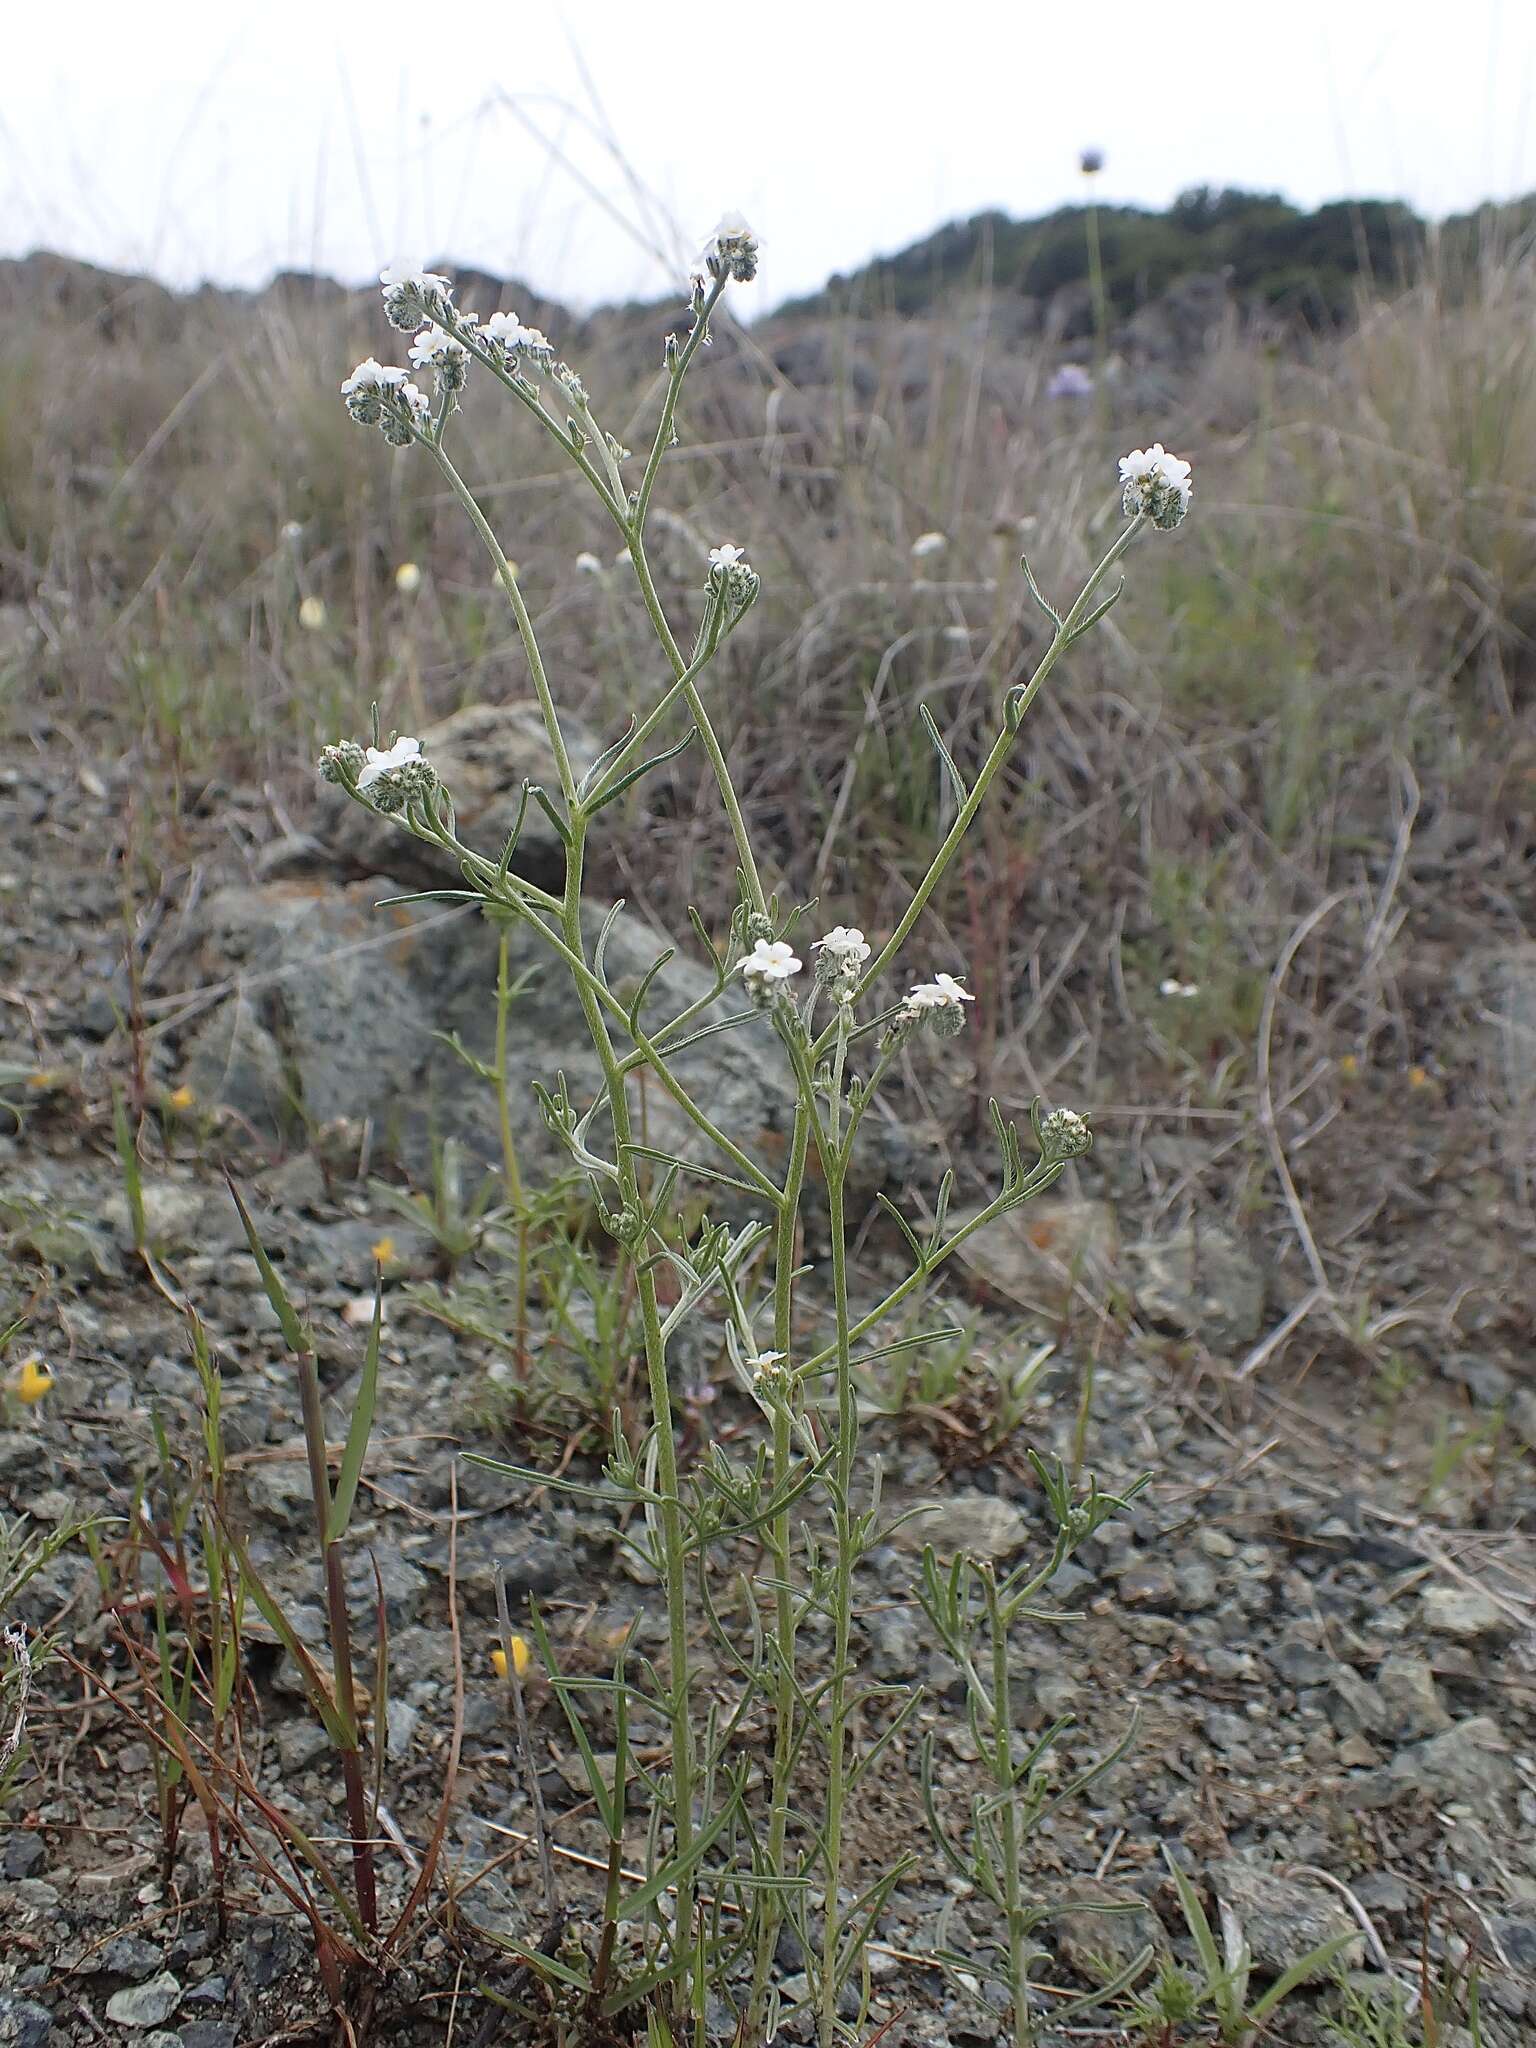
[
  {"x": 767, "y": 1370},
  {"x": 383, "y": 396},
  {"x": 1156, "y": 483},
  {"x": 436, "y": 349},
  {"x": 938, "y": 1004},
  {"x": 1064, "y": 1135},
  {"x": 731, "y": 574},
  {"x": 843, "y": 952},
  {"x": 414, "y": 297},
  {"x": 388, "y": 777},
  {"x": 506, "y": 334},
  {"x": 732, "y": 250},
  {"x": 770, "y": 964}
]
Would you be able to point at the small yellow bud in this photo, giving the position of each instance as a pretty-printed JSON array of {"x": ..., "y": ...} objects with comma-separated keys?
[
  {"x": 33, "y": 1380},
  {"x": 183, "y": 1097},
  {"x": 408, "y": 579},
  {"x": 312, "y": 614},
  {"x": 1418, "y": 1077},
  {"x": 522, "y": 1657},
  {"x": 42, "y": 1080},
  {"x": 1349, "y": 1066},
  {"x": 383, "y": 1251}
]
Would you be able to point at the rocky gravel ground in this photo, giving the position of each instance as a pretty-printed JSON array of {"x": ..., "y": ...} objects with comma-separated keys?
[{"x": 1323, "y": 1609}]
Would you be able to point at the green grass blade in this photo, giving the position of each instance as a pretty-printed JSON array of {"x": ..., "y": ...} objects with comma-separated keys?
[{"x": 360, "y": 1429}]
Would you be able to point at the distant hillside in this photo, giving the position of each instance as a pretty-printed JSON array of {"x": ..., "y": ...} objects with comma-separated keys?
[{"x": 1269, "y": 251}]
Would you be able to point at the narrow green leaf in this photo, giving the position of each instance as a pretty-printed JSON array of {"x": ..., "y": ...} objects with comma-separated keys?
[
  {"x": 359, "y": 1429},
  {"x": 952, "y": 775},
  {"x": 343, "y": 1736},
  {"x": 294, "y": 1334}
]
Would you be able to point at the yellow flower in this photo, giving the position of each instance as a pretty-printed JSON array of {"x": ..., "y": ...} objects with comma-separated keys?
[
  {"x": 182, "y": 1097},
  {"x": 42, "y": 1080},
  {"x": 33, "y": 1380},
  {"x": 522, "y": 1657},
  {"x": 1418, "y": 1077},
  {"x": 383, "y": 1252},
  {"x": 312, "y": 614},
  {"x": 408, "y": 579},
  {"x": 1349, "y": 1066}
]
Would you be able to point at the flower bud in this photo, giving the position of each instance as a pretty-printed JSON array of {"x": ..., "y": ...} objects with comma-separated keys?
[{"x": 1064, "y": 1135}]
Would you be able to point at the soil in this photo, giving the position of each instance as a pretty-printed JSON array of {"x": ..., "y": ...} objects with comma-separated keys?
[{"x": 1321, "y": 1610}]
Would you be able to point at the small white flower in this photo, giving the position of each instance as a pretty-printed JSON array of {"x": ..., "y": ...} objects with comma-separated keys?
[
  {"x": 406, "y": 277},
  {"x": 939, "y": 1004},
  {"x": 588, "y": 564},
  {"x": 413, "y": 294},
  {"x": 434, "y": 345},
  {"x": 312, "y": 614},
  {"x": 293, "y": 532},
  {"x": 845, "y": 945},
  {"x": 766, "y": 1371},
  {"x": 929, "y": 544},
  {"x": 370, "y": 376},
  {"x": 1174, "y": 987},
  {"x": 771, "y": 960},
  {"x": 732, "y": 250},
  {"x": 507, "y": 332},
  {"x": 408, "y": 579},
  {"x": 381, "y": 761},
  {"x": 726, "y": 556},
  {"x": 1157, "y": 483}
]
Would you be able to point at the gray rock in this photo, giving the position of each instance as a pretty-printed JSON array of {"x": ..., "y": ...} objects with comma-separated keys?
[
  {"x": 1036, "y": 1254},
  {"x": 896, "y": 1642},
  {"x": 1468, "y": 1762},
  {"x": 23, "y": 2024},
  {"x": 1299, "y": 1664},
  {"x": 145, "y": 2005},
  {"x": 1199, "y": 1281},
  {"x": 131, "y": 1956},
  {"x": 978, "y": 1523},
  {"x": 1282, "y": 1917},
  {"x": 402, "y": 1722},
  {"x": 207, "y": 2034},
  {"x": 25, "y": 1852},
  {"x": 1411, "y": 1698},
  {"x": 1100, "y": 1937},
  {"x": 174, "y": 1215},
  {"x": 1463, "y": 1611},
  {"x": 484, "y": 754},
  {"x": 1356, "y": 1705},
  {"x": 336, "y": 1003}
]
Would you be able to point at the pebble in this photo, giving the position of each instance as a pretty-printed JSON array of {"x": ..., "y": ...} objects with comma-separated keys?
[
  {"x": 145, "y": 2005},
  {"x": 1283, "y": 1917},
  {"x": 131, "y": 1956},
  {"x": 22, "y": 2023},
  {"x": 1463, "y": 1611}
]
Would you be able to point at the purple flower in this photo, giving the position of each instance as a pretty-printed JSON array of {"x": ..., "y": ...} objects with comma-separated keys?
[{"x": 1070, "y": 381}]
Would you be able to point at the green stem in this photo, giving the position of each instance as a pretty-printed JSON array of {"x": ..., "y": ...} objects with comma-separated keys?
[
  {"x": 780, "y": 1543},
  {"x": 482, "y": 526},
  {"x": 674, "y": 1547},
  {"x": 1002, "y": 748},
  {"x": 1002, "y": 1775},
  {"x": 340, "y": 1631},
  {"x": 842, "y": 1603},
  {"x": 511, "y": 1172},
  {"x": 706, "y": 731}
]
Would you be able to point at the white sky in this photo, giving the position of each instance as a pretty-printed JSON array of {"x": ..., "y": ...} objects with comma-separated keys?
[{"x": 207, "y": 140}]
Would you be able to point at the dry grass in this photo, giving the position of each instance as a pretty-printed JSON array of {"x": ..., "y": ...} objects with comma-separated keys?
[{"x": 1319, "y": 692}]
